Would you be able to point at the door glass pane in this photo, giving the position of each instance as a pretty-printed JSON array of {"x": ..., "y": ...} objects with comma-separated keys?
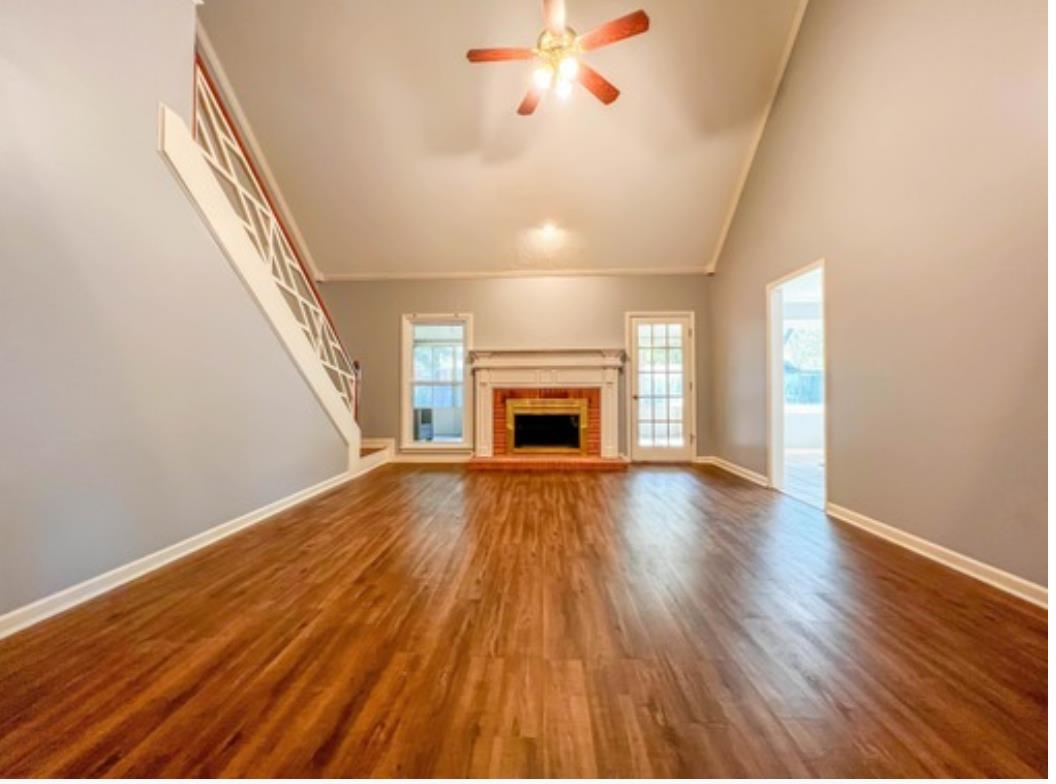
[
  {"x": 645, "y": 409},
  {"x": 645, "y": 335},
  {"x": 660, "y": 385},
  {"x": 675, "y": 411}
]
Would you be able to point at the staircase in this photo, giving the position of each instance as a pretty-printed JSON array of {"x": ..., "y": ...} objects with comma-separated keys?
[{"x": 214, "y": 166}]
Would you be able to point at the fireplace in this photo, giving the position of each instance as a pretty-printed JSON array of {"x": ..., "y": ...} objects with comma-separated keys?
[
  {"x": 564, "y": 412},
  {"x": 547, "y": 425}
]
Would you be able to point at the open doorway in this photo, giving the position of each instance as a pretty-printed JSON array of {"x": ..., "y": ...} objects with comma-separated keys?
[{"x": 796, "y": 384}]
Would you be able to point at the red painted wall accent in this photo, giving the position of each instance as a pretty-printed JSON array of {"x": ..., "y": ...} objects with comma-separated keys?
[{"x": 592, "y": 396}]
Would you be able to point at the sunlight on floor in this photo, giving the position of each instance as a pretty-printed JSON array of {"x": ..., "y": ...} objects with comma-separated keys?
[{"x": 805, "y": 475}]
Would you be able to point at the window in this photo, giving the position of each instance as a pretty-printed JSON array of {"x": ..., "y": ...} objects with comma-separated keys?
[{"x": 436, "y": 381}]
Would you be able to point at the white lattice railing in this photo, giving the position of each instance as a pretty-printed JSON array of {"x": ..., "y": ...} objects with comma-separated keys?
[{"x": 234, "y": 170}]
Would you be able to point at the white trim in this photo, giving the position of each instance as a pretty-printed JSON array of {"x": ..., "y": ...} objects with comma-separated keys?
[
  {"x": 991, "y": 575},
  {"x": 387, "y": 447},
  {"x": 361, "y": 277},
  {"x": 547, "y": 358},
  {"x": 733, "y": 468},
  {"x": 184, "y": 157},
  {"x": 775, "y": 380},
  {"x": 798, "y": 272},
  {"x": 749, "y": 160},
  {"x": 216, "y": 70},
  {"x": 775, "y": 435},
  {"x": 63, "y": 600},
  {"x": 691, "y": 379},
  {"x": 407, "y": 322}
]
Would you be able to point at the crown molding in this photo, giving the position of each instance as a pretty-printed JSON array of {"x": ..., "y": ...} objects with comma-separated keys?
[
  {"x": 749, "y": 159},
  {"x": 363, "y": 277}
]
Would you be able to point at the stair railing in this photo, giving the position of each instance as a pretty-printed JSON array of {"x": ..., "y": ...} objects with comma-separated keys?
[{"x": 228, "y": 157}]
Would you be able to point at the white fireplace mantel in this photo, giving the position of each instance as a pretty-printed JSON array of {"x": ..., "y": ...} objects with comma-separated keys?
[{"x": 550, "y": 368}]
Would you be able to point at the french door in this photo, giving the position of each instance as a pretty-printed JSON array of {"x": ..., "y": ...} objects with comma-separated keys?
[{"x": 661, "y": 387}]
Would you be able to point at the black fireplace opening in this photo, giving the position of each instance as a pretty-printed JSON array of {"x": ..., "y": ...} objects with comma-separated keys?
[{"x": 546, "y": 431}]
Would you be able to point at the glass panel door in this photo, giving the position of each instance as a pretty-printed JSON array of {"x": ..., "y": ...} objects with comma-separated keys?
[{"x": 661, "y": 388}]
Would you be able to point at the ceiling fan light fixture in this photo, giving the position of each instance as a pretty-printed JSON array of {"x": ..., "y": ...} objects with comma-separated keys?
[
  {"x": 543, "y": 76},
  {"x": 568, "y": 68},
  {"x": 557, "y": 52}
]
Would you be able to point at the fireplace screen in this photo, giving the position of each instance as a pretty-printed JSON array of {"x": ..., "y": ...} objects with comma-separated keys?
[{"x": 546, "y": 425}]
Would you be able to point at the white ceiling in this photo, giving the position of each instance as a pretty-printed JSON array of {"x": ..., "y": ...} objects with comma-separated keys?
[{"x": 398, "y": 158}]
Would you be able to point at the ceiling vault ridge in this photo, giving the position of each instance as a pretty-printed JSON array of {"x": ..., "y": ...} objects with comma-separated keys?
[
  {"x": 412, "y": 142},
  {"x": 753, "y": 148},
  {"x": 245, "y": 128}
]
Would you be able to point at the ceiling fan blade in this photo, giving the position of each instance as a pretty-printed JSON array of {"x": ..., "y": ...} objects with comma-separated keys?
[
  {"x": 531, "y": 100},
  {"x": 554, "y": 16},
  {"x": 615, "y": 30},
  {"x": 496, "y": 55},
  {"x": 604, "y": 90}
]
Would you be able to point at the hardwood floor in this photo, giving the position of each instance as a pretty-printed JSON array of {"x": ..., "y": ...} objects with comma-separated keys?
[{"x": 426, "y": 621}]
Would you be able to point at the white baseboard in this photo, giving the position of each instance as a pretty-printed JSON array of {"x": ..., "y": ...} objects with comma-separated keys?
[
  {"x": 26, "y": 616},
  {"x": 387, "y": 450},
  {"x": 733, "y": 468},
  {"x": 991, "y": 575}
]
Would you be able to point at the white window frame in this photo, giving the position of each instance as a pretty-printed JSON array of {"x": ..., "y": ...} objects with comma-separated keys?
[{"x": 407, "y": 442}]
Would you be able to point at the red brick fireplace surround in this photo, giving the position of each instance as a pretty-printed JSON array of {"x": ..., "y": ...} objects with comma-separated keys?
[{"x": 592, "y": 396}]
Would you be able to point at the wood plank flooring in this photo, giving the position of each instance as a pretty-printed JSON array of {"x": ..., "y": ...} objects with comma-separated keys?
[{"x": 432, "y": 621}]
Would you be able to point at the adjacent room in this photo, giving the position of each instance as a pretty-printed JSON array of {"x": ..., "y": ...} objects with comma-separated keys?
[
  {"x": 524, "y": 389},
  {"x": 796, "y": 385}
]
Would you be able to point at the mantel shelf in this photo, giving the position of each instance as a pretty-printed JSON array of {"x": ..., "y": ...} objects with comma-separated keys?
[{"x": 548, "y": 358}]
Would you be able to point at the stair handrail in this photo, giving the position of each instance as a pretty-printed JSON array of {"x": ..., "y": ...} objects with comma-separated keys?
[{"x": 228, "y": 156}]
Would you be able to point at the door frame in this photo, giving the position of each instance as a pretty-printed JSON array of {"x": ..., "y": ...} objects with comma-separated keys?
[
  {"x": 775, "y": 409},
  {"x": 690, "y": 349}
]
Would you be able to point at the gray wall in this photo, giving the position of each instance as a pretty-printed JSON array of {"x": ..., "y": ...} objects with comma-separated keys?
[
  {"x": 144, "y": 397},
  {"x": 908, "y": 148},
  {"x": 542, "y": 312}
]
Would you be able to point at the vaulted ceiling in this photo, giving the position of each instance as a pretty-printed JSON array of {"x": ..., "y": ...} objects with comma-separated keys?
[{"x": 397, "y": 158}]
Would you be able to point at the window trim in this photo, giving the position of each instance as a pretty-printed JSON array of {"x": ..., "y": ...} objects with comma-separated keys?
[{"x": 407, "y": 323}]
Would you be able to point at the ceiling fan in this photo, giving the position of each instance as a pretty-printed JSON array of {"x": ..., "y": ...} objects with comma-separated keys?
[{"x": 558, "y": 52}]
